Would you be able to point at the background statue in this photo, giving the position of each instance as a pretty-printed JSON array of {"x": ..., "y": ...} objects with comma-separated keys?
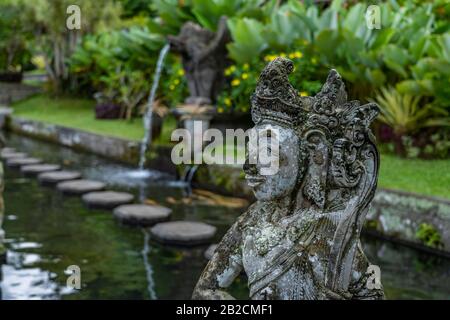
[
  {"x": 300, "y": 240},
  {"x": 204, "y": 58}
]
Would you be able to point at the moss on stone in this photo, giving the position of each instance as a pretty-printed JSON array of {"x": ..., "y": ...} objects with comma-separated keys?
[{"x": 429, "y": 235}]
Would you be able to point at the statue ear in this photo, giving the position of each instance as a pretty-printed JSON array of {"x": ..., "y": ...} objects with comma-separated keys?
[{"x": 314, "y": 188}]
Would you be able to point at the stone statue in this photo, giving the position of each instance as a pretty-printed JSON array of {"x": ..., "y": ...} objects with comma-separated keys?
[
  {"x": 204, "y": 58},
  {"x": 300, "y": 240}
]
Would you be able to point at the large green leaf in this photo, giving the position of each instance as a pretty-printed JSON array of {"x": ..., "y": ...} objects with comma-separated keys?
[
  {"x": 248, "y": 40},
  {"x": 396, "y": 59}
]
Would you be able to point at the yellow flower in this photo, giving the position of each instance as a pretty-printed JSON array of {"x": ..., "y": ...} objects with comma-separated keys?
[
  {"x": 313, "y": 60},
  {"x": 227, "y": 102},
  {"x": 181, "y": 72},
  {"x": 220, "y": 109},
  {"x": 303, "y": 93},
  {"x": 292, "y": 55},
  {"x": 283, "y": 55},
  {"x": 246, "y": 66},
  {"x": 230, "y": 70},
  {"x": 298, "y": 54},
  {"x": 235, "y": 82},
  {"x": 244, "y": 76},
  {"x": 176, "y": 81},
  {"x": 172, "y": 87}
]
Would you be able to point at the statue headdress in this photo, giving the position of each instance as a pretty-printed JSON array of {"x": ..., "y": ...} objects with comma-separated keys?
[{"x": 340, "y": 146}]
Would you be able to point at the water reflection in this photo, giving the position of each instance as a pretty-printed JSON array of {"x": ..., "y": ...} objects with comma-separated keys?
[{"x": 47, "y": 232}]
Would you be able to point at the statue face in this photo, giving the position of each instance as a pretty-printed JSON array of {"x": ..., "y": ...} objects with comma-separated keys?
[{"x": 282, "y": 181}]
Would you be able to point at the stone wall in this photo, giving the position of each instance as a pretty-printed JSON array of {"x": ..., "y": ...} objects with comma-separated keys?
[
  {"x": 418, "y": 220},
  {"x": 111, "y": 147},
  {"x": 11, "y": 92},
  {"x": 118, "y": 149}
]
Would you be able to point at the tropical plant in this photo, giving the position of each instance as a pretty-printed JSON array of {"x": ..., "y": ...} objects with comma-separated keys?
[
  {"x": 171, "y": 14},
  {"x": 405, "y": 114},
  {"x": 340, "y": 39},
  {"x": 14, "y": 37},
  {"x": 173, "y": 85},
  {"x": 56, "y": 42},
  {"x": 101, "y": 54}
]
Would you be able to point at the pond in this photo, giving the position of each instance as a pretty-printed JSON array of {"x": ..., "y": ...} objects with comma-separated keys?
[{"x": 47, "y": 232}]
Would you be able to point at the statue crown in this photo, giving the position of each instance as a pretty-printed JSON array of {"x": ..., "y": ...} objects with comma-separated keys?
[{"x": 275, "y": 99}]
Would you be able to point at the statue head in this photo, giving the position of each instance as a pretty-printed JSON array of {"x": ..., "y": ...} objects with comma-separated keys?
[{"x": 325, "y": 144}]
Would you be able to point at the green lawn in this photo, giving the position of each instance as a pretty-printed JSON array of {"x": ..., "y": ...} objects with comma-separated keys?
[
  {"x": 430, "y": 177},
  {"x": 76, "y": 113}
]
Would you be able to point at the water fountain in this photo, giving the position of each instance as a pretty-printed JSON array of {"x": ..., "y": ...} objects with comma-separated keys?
[{"x": 148, "y": 114}]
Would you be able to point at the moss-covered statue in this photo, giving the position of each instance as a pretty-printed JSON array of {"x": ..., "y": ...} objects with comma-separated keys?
[
  {"x": 204, "y": 57},
  {"x": 301, "y": 239}
]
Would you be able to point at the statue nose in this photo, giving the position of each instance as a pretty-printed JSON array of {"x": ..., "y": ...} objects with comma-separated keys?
[{"x": 250, "y": 168}]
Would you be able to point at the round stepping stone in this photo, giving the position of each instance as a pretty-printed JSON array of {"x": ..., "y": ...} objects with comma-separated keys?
[
  {"x": 18, "y": 162},
  {"x": 141, "y": 214},
  {"x": 210, "y": 251},
  {"x": 183, "y": 232},
  {"x": 77, "y": 187},
  {"x": 54, "y": 177},
  {"x": 35, "y": 169},
  {"x": 12, "y": 155},
  {"x": 107, "y": 199}
]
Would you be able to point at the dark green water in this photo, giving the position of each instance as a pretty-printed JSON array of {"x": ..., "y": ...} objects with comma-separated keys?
[{"x": 47, "y": 232}]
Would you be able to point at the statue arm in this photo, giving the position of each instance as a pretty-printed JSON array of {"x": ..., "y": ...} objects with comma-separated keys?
[
  {"x": 221, "y": 38},
  {"x": 222, "y": 269}
]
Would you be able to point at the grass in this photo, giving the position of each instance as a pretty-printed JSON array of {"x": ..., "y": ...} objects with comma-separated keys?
[
  {"x": 429, "y": 177},
  {"x": 76, "y": 113}
]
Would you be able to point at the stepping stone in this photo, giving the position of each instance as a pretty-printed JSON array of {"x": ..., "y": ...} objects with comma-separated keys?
[
  {"x": 183, "y": 232},
  {"x": 12, "y": 155},
  {"x": 107, "y": 199},
  {"x": 141, "y": 214},
  {"x": 77, "y": 187},
  {"x": 18, "y": 162},
  {"x": 35, "y": 169},
  {"x": 55, "y": 177},
  {"x": 210, "y": 251}
]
